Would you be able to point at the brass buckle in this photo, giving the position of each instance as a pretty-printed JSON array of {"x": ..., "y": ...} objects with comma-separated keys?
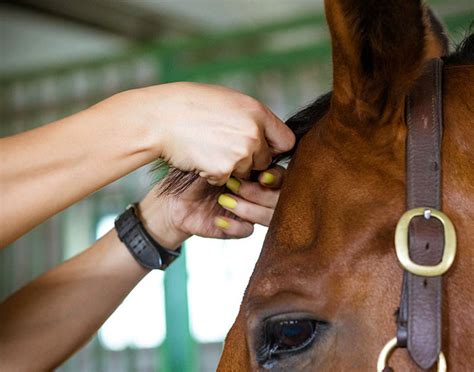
[
  {"x": 389, "y": 348},
  {"x": 401, "y": 243}
]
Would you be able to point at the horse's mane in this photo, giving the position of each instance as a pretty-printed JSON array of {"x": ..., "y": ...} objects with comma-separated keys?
[
  {"x": 464, "y": 52},
  {"x": 300, "y": 123}
]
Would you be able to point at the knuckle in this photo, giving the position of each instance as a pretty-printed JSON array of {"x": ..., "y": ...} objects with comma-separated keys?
[
  {"x": 248, "y": 148},
  {"x": 253, "y": 132},
  {"x": 251, "y": 103},
  {"x": 258, "y": 108},
  {"x": 244, "y": 191},
  {"x": 244, "y": 151},
  {"x": 219, "y": 173},
  {"x": 254, "y": 143},
  {"x": 245, "y": 211},
  {"x": 226, "y": 166},
  {"x": 249, "y": 192},
  {"x": 254, "y": 109}
]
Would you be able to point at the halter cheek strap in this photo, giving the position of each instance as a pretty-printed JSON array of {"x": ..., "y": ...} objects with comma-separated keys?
[
  {"x": 421, "y": 331},
  {"x": 425, "y": 239}
]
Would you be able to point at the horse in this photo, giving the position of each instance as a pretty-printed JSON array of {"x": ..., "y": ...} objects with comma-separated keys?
[{"x": 325, "y": 290}]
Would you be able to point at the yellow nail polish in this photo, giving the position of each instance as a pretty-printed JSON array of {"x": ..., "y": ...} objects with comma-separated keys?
[
  {"x": 221, "y": 223},
  {"x": 267, "y": 178},
  {"x": 227, "y": 202},
  {"x": 233, "y": 185}
]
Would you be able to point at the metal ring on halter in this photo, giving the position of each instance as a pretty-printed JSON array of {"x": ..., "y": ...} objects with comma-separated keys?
[
  {"x": 384, "y": 356},
  {"x": 401, "y": 242}
]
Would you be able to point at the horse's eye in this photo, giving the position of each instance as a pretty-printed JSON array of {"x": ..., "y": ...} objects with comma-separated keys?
[
  {"x": 291, "y": 334},
  {"x": 285, "y": 337}
]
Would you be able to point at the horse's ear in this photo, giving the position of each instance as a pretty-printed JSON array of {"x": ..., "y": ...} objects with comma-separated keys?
[
  {"x": 437, "y": 41},
  {"x": 379, "y": 48}
]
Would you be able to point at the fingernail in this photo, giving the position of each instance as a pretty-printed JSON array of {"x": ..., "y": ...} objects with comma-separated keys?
[
  {"x": 233, "y": 185},
  {"x": 267, "y": 178},
  {"x": 227, "y": 202},
  {"x": 221, "y": 223}
]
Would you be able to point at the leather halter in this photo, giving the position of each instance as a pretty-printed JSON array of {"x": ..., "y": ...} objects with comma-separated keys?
[{"x": 425, "y": 239}]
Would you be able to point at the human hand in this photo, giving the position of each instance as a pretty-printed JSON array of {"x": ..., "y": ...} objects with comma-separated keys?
[
  {"x": 171, "y": 219},
  {"x": 212, "y": 130}
]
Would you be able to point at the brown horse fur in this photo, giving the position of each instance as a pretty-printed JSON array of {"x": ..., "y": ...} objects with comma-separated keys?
[{"x": 329, "y": 252}]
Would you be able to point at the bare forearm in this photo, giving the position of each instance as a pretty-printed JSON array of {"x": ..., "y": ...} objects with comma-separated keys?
[
  {"x": 195, "y": 127},
  {"x": 45, "y": 170},
  {"x": 46, "y": 321}
]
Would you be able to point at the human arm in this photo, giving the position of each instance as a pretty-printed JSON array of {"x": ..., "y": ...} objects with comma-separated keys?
[
  {"x": 53, "y": 316},
  {"x": 58, "y": 312},
  {"x": 212, "y": 130}
]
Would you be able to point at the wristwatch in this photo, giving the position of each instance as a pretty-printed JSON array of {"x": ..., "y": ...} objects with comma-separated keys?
[{"x": 147, "y": 251}]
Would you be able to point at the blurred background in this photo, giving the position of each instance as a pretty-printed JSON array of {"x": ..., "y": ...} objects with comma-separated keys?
[{"x": 58, "y": 57}]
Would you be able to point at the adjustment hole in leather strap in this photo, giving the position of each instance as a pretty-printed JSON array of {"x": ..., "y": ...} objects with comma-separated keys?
[
  {"x": 402, "y": 249},
  {"x": 425, "y": 283},
  {"x": 427, "y": 246}
]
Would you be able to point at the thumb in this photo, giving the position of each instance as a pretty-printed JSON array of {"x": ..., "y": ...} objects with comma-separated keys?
[{"x": 279, "y": 136}]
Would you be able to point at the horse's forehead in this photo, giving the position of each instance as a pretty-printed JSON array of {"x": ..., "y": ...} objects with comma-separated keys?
[
  {"x": 327, "y": 219},
  {"x": 293, "y": 224},
  {"x": 338, "y": 216}
]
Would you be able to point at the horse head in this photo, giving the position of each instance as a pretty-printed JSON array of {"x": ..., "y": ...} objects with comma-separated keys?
[{"x": 327, "y": 283}]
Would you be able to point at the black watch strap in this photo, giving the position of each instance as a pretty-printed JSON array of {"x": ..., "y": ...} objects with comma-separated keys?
[{"x": 149, "y": 253}]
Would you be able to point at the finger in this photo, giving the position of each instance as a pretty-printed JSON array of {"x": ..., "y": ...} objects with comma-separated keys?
[
  {"x": 214, "y": 180},
  {"x": 279, "y": 137},
  {"x": 262, "y": 158},
  {"x": 273, "y": 177},
  {"x": 233, "y": 228},
  {"x": 246, "y": 210},
  {"x": 243, "y": 168},
  {"x": 254, "y": 192}
]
